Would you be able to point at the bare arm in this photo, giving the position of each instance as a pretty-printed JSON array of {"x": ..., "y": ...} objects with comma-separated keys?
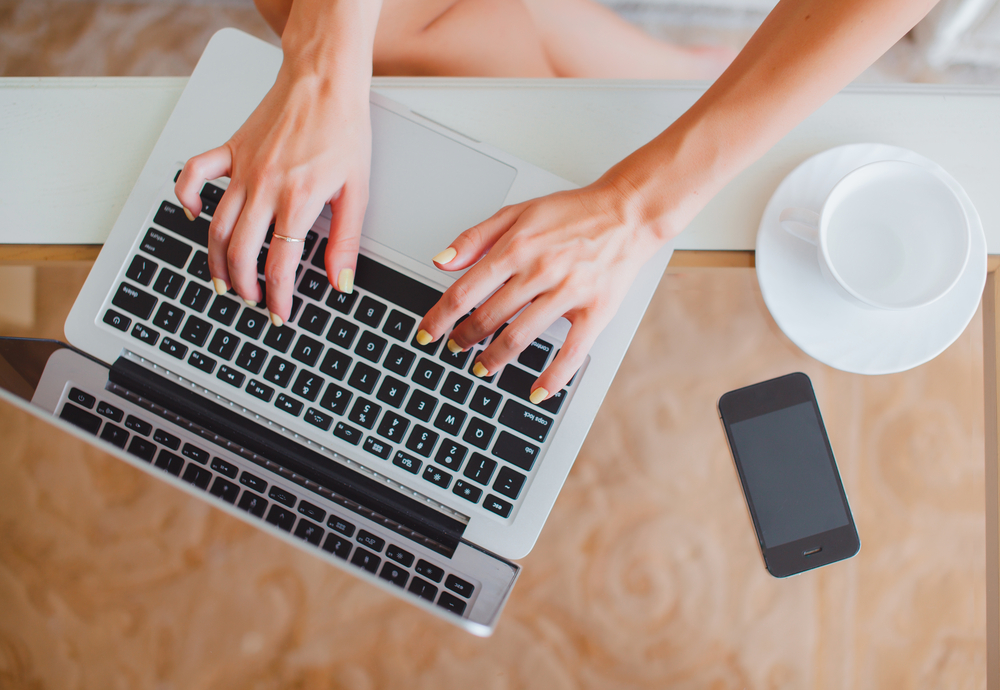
[{"x": 575, "y": 254}]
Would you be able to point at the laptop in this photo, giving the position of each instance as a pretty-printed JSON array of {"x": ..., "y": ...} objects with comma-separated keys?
[{"x": 337, "y": 431}]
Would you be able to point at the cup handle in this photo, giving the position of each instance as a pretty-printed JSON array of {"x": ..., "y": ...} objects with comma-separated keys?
[{"x": 802, "y": 223}]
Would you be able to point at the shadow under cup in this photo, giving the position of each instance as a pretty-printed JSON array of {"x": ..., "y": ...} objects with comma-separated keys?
[{"x": 894, "y": 235}]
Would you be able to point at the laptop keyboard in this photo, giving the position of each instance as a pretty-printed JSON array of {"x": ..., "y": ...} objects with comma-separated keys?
[
  {"x": 365, "y": 546},
  {"x": 345, "y": 364}
]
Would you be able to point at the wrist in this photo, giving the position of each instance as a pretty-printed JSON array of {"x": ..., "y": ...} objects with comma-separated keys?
[{"x": 331, "y": 40}]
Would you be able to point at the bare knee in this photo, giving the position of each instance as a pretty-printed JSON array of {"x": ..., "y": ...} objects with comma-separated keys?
[{"x": 275, "y": 13}]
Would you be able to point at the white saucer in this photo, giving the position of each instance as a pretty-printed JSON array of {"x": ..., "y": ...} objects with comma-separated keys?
[{"x": 825, "y": 325}]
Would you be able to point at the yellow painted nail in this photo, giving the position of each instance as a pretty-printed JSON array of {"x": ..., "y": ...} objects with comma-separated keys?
[
  {"x": 190, "y": 216},
  {"x": 276, "y": 320},
  {"x": 250, "y": 303},
  {"x": 423, "y": 337},
  {"x": 446, "y": 256},
  {"x": 454, "y": 347},
  {"x": 479, "y": 370},
  {"x": 538, "y": 395},
  {"x": 220, "y": 286},
  {"x": 345, "y": 281}
]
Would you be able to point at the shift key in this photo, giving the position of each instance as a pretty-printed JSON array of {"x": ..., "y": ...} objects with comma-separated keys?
[
  {"x": 172, "y": 218},
  {"x": 525, "y": 420}
]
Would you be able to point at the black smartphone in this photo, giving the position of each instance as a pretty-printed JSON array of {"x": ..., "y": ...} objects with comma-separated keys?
[{"x": 789, "y": 475}]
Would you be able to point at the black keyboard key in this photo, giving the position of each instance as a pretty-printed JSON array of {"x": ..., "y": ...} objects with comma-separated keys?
[
  {"x": 472, "y": 366},
  {"x": 404, "y": 558},
  {"x": 134, "y": 301},
  {"x": 399, "y": 360},
  {"x": 223, "y": 310},
  {"x": 371, "y": 346},
  {"x": 450, "y": 419},
  {"x": 479, "y": 433},
  {"x": 480, "y": 469},
  {"x": 399, "y": 325},
  {"x": 554, "y": 402},
  {"x": 342, "y": 333},
  {"x": 279, "y": 372},
  {"x": 313, "y": 285},
  {"x": 429, "y": 570},
  {"x": 403, "y": 291},
  {"x": 421, "y": 405},
  {"x": 146, "y": 335},
  {"x": 167, "y": 439},
  {"x": 519, "y": 382},
  {"x": 314, "y": 319},
  {"x": 222, "y": 467},
  {"x": 365, "y": 559},
  {"x": 288, "y": 404},
  {"x": 198, "y": 476},
  {"x": 428, "y": 373},
  {"x": 308, "y": 385},
  {"x": 485, "y": 401},
  {"x": 80, "y": 398},
  {"x": 337, "y": 524},
  {"x": 251, "y": 323},
  {"x": 168, "y": 317},
  {"x": 281, "y": 496},
  {"x": 112, "y": 433},
  {"x": 169, "y": 462},
  {"x": 422, "y": 588},
  {"x": 199, "y": 267},
  {"x": 368, "y": 539},
  {"x": 393, "y": 427},
  {"x": 422, "y": 441},
  {"x": 338, "y": 546},
  {"x": 525, "y": 420},
  {"x": 169, "y": 283},
  {"x": 117, "y": 320},
  {"x": 307, "y": 350},
  {"x": 142, "y": 449},
  {"x": 279, "y": 338},
  {"x": 392, "y": 391},
  {"x": 281, "y": 518},
  {"x": 370, "y": 312},
  {"x": 455, "y": 359},
  {"x": 307, "y": 246},
  {"x": 261, "y": 261},
  {"x": 497, "y": 505},
  {"x": 172, "y": 218},
  {"x": 230, "y": 376},
  {"x": 318, "y": 419},
  {"x": 312, "y": 512},
  {"x": 200, "y": 361},
  {"x": 139, "y": 426},
  {"x": 141, "y": 270},
  {"x": 364, "y": 378},
  {"x": 347, "y": 433},
  {"x": 340, "y": 301},
  {"x": 459, "y": 586},
  {"x": 106, "y": 410},
  {"x": 211, "y": 194},
  {"x": 335, "y": 364},
  {"x": 408, "y": 463},
  {"x": 223, "y": 344},
  {"x": 253, "y": 504},
  {"x": 310, "y": 532},
  {"x": 452, "y": 603},
  {"x": 516, "y": 451},
  {"x": 251, "y": 358},
  {"x": 196, "y": 296},
  {"x": 225, "y": 490},
  {"x": 196, "y": 331},
  {"x": 165, "y": 248},
  {"x": 435, "y": 475},
  {"x": 173, "y": 348},
  {"x": 394, "y": 574},
  {"x": 509, "y": 483},
  {"x": 430, "y": 348},
  {"x": 336, "y": 399},
  {"x": 254, "y": 482},
  {"x": 451, "y": 454},
  {"x": 195, "y": 453},
  {"x": 456, "y": 387},
  {"x": 535, "y": 355},
  {"x": 377, "y": 447},
  {"x": 260, "y": 391},
  {"x": 467, "y": 491},
  {"x": 319, "y": 259},
  {"x": 364, "y": 413}
]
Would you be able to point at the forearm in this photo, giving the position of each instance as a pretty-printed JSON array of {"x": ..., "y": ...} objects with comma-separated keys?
[{"x": 804, "y": 53}]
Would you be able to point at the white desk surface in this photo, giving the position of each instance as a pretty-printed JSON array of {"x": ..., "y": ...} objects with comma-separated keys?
[{"x": 71, "y": 148}]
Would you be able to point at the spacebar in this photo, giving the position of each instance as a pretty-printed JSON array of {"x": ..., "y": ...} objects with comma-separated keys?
[{"x": 392, "y": 285}]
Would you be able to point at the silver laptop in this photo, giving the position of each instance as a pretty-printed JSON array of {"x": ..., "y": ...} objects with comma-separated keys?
[{"x": 337, "y": 431}]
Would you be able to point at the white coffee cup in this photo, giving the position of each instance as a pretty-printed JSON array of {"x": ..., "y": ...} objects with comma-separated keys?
[{"x": 890, "y": 235}]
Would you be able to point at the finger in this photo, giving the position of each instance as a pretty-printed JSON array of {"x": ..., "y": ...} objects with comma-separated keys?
[
  {"x": 348, "y": 214},
  {"x": 226, "y": 215},
  {"x": 458, "y": 300},
  {"x": 499, "y": 308},
  {"x": 584, "y": 332},
  {"x": 207, "y": 166},
  {"x": 470, "y": 246},
  {"x": 244, "y": 246}
]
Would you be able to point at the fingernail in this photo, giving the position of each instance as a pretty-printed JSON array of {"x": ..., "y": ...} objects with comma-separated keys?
[
  {"x": 220, "y": 286},
  {"x": 250, "y": 303},
  {"x": 190, "y": 216},
  {"x": 345, "y": 281},
  {"x": 538, "y": 395},
  {"x": 479, "y": 370},
  {"x": 423, "y": 337},
  {"x": 446, "y": 256},
  {"x": 276, "y": 320},
  {"x": 454, "y": 347}
]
